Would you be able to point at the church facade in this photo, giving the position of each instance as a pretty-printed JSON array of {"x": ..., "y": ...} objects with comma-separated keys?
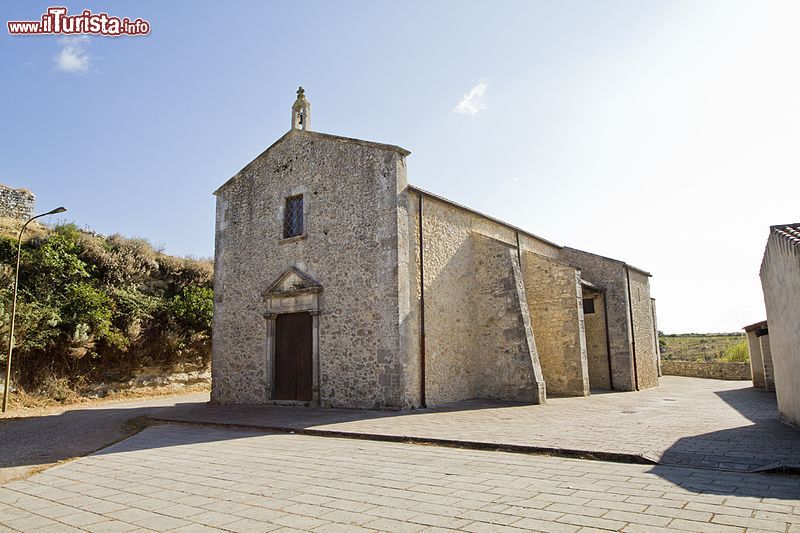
[{"x": 339, "y": 284}]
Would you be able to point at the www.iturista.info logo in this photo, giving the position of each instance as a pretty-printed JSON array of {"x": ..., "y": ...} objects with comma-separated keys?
[{"x": 56, "y": 21}]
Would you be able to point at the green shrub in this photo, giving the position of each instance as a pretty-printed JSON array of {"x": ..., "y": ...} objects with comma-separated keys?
[
  {"x": 87, "y": 305},
  {"x": 738, "y": 353},
  {"x": 193, "y": 308}
]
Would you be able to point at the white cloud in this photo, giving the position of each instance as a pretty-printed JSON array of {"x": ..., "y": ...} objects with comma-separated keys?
[
  {"x": 474, "y": 101},
  {"x": 73, "y": 56}
]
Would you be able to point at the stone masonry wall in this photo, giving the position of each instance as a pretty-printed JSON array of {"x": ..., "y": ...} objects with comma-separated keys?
[
  {"x": 656, "y": 348},
  {"x": 643, "y": 332},
  {"x": 451, "y": 346},
  {"x": 477, "y": 342},
  {"x": 539, "y": 247},
  {"x": 597, "y": 342},
  {"x": 729, "y": 371},
  {"x": 507, "y": 359},
  {"x": 16, "y": 203},
  {"x": 350, "y": 198},
  {"x": 408, "y": 257},
  {"x": 609, "y": 275},
  {"x": 780, "y": 281},
  {"x": 555, "y": 305}
]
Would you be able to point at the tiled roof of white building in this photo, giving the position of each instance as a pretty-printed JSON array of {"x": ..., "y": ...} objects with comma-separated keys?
[{"x": 790, "y": 232}]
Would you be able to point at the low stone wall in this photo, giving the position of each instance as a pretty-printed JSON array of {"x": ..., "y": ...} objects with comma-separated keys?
[
  {"x": 16, "y": 203},
  {"x": 732, "y": 371}
]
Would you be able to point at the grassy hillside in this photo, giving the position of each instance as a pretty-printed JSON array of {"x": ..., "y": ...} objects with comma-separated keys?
[
  {"x": 730, "y": 347},
  {"x": 94, "y": 308}
]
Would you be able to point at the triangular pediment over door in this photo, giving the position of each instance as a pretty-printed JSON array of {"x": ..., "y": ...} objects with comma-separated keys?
[{"x": 292, "y": 281}]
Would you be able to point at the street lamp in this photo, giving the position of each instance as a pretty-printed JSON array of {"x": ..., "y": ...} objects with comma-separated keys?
[{"x": 14, "y": 302}]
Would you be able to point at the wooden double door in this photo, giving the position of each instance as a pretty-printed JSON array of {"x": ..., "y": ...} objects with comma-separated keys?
[{"x": 294, "y": 373}]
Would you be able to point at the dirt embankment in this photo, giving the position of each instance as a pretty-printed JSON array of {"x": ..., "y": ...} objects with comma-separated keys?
[{"x": 148, "y": 382}]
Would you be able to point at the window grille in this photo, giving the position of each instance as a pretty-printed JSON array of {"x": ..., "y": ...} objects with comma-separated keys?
[{"x": 293, "y": 217}]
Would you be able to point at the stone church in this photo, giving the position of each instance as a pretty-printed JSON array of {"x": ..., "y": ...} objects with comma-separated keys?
[{"x": 339, "y": 284}]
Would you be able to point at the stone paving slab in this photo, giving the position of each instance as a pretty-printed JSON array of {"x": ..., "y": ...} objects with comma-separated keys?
[
  {"x": 184, "y": 478},
  {"x": 725, "y": 425}
]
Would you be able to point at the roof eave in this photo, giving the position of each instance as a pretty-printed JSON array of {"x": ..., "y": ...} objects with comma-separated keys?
[
  {"x": 637, "y": 269},
  {"x": 755, "y": 326},
  {"x": 391, "y": 147}
]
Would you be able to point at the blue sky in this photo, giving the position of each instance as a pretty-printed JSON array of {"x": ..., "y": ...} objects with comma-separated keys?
[{"x": 661, "y": 133}]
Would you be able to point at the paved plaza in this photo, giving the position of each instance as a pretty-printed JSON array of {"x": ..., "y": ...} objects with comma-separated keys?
[
  {"x": 705, "y": 423},
  {"x": 184, "y": 478},
  {"x": 684, "y": 456}
]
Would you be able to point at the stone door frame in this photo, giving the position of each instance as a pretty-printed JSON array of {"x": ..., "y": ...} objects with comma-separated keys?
[{"x": 292, "y": 292}]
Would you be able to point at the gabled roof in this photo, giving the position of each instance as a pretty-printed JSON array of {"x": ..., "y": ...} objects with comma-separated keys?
[
  {"x": 338, "y": 138},
  {"x": 788, "y": 232}
]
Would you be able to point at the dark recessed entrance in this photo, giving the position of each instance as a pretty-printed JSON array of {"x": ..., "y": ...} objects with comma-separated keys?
[{"x": 293, "y": 357}]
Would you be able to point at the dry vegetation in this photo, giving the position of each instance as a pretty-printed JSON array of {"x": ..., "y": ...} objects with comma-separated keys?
[
  {"x": 23, "y": 404},
  {"x": 725, "y": 347},
  {"x": 94, "y": 312}
]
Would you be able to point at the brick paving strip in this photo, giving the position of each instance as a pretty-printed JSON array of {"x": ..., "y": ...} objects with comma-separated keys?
[
  {"x": 184, "y": 478},
  {"x": 724, "y": 425}
]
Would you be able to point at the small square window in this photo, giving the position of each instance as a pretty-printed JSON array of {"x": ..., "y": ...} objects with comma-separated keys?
[
  {"x": 588, "y": 306},
  {"x": 293, "y": 217}
]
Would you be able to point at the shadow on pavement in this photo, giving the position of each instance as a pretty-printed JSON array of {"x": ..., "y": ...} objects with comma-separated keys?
[
  {"x": 45, "y": 439},
  {"x": 49, "y": 438},
  {"x": 767, "y": 442},
  {"x": 767, "y": 486},
  {"x": 743, "y": 461}
]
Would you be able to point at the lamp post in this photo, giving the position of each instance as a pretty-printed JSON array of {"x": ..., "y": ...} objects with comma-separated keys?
[{"x": 14, "y": 302}]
